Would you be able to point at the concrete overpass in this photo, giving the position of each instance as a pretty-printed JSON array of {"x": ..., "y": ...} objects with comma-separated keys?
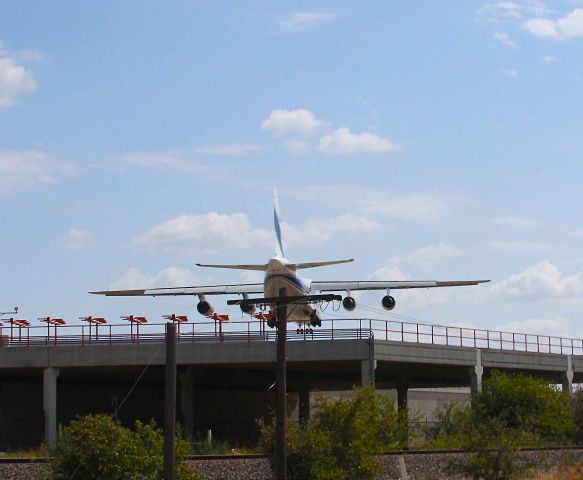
[{"x": 48, "y": 377}]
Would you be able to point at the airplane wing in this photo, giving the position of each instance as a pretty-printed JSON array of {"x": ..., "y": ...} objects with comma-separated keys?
[
  {"x": 202, "y": 290},
  {"x": 382, "y": 285}
]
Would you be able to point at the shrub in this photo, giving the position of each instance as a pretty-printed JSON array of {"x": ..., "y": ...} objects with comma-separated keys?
[
  {"x": 96, "y": 446},
  {"x": 512, "y": 411},
  {"x": 341, "y": 439}
]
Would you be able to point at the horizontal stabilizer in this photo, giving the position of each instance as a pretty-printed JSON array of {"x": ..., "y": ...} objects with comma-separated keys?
[
  {"x": 261, "y": 267},
  {"x": 300, "y": 266}
]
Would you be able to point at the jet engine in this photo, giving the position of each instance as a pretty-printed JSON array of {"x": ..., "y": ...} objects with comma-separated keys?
[
  {"x": 204, "y": 308},
  {"x": 248, "y": 309},
  {"x": 349, "y": 303},
  {"x": 388, "y": 302}
]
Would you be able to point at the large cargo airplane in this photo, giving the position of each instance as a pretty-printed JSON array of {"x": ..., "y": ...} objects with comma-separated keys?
[{"x": 280, "y": 272}]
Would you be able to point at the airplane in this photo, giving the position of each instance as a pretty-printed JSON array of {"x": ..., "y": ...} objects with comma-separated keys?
[{"x": 280, "y": 272}]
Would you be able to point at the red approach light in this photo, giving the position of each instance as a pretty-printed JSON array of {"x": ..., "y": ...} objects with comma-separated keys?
[
  {"x": 52, "y": 321},
  {"x": 19, "y": 323},
  {"x": 176, "y": 318},
  {"x": 263, "y": 316},
  {"x": 94, "y": 320},
  {"x": 135, "y": 319},
  {"x": 219, "y": 317}
]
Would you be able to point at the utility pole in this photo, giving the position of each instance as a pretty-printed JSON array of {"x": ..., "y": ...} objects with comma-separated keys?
[
  {"x": 170, "y": 403},
  {"x": 281, "y": 423}
]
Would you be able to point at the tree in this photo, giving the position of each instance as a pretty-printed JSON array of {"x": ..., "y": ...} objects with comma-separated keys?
[
  {"x": 341, "y": 439},
  {"x": 98, "y": 447}
]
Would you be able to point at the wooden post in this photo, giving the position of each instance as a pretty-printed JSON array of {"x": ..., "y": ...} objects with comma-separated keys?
[
  {"x": 281, "y": 424},
  {"x": 170, "y": 403}
]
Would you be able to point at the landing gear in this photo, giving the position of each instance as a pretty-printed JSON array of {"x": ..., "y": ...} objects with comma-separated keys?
[
  {"x": 306, "y": 331},
  {"x": 315, "y": 320}
]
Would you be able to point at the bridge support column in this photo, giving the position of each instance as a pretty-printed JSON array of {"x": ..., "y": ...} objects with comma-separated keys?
[
  {"x": 304, "y": 404},
  {"x": 187, "y": 402},
  {"x": 402, "y": 389},
  {"x": 50, "y": 376},
  {"x": 567, "y": 377},
  {"x": 476, "y": 374},
  {"x": 367, "y": 374}
]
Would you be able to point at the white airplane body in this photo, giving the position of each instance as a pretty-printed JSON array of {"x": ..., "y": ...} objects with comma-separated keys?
[{"x": 279, "y": 272}]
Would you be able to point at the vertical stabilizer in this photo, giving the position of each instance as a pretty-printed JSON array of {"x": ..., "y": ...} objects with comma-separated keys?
[{"x": 279, "y": 250}]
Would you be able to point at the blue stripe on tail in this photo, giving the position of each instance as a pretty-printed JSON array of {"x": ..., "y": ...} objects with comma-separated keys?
[{"x": 279, "y": 250}]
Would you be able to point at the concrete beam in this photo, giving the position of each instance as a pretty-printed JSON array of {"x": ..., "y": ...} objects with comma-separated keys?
[{"x": 50, "y": 376}]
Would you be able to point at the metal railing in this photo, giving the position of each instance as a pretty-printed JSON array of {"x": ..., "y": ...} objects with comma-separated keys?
[{"x": 257, "y": 331}]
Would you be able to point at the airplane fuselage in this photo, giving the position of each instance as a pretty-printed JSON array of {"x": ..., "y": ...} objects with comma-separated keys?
[{"x": 281, "y": 274}]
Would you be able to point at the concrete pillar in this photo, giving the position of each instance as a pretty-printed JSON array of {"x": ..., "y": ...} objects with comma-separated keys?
[
  {"x": 476, "y": 374},
  {"x": 304, "y": 404},
  {"x": 402, "y": 388},
  {"x": 402, "y": 396},
  {"x": 567, "y": 377},
  {"x": 50, "y": 404},
  {"x": 367, "y": 373},
  {"x": 186, "y": 380}
]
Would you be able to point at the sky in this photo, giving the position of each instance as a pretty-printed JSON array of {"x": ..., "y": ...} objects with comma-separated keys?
[{"x": 427, "y": 140}]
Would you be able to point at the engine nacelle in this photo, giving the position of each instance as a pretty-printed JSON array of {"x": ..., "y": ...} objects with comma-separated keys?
[
  {"x": 248, "y": 309},
  {"x": 205, "y": 308},
  {"x": 388, "y": 302},
  {"x": 349, "y": 303}
]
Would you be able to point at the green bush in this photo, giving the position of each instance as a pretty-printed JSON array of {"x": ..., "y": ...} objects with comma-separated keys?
[
  {"x": 97, "y": 447},
  {"x": 511, "y": 412},
  {"x": 341, "y": 439}
]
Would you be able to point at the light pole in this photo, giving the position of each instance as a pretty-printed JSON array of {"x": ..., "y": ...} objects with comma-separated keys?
[
  {"x": 281, "y": 422},
  {"x": 280, "y": 303}
]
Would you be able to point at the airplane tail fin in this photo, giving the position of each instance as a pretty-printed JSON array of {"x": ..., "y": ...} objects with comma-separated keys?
[{"x": 279, "y": 250}]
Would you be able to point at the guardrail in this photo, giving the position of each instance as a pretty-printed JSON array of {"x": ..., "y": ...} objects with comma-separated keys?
[{"x": 256, "y": 331}]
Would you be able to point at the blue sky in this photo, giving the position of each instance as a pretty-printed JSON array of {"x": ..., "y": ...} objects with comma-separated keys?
[{"x": 427, "y": 140}]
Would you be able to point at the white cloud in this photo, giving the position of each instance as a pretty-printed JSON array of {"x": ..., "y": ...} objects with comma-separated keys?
[
  {"x": 510, "y": 72},
  {"x": 288, "y": 122},
  {"x": 168, "y": 160},
  {"x": 79, "y": 239},
  {"x": 343, "y": 141},
  {"x": 28, "y": 168},
  {"x": 505, "y": 39},
  {"x": 393, "y": 205},
  {"x": 432, "y": 254},
  {"x": 549, "y": 59},
  {"x": 231, "y": 150},
  {"x": 500, "y": 12},
  {"x": 511, "y": 221},
  {"x": 297, "y": 21},
  {"x": 192, "y": 235},
  {"x": 317, "y": 232},
  {"x": 569, "y": 26},
  {"x": 541, "y": 326},
  {"x": 15, "y": 79},
  {"x": 518, "y": 246},
  {"x": 167, "y": 277},
  {"x": 539, "y": 283},
  {"x": 252, "y": 276}
]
